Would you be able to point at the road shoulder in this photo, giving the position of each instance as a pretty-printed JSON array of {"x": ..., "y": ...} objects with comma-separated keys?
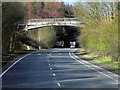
[
  {"x": 101, "y": 65},
  {"x": 98, "y": 69}
]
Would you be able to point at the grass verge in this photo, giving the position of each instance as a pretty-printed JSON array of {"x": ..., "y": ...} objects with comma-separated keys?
[
  {"x": 105, "y": 62},
  {"x": 7, "y": 57}
]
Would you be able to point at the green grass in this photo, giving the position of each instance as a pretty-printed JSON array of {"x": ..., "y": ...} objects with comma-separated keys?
[
  {"x": 91, "y": 55},
  {"x": 108, "y": 61},
  {"x": 104, "y": 60}
]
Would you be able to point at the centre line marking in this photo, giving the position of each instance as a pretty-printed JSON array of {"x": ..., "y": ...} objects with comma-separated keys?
[
  {"x": 58, "y": 84},
  {"x": 50, "y": 68},
  {"x": 54, "y": 74},
  {"x": 59, "y": 53}
]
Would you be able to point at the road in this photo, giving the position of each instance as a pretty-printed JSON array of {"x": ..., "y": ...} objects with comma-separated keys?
[{"x": 55, "y": 68}]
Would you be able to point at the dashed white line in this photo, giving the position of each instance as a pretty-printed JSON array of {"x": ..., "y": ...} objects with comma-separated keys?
[
  {"x": 54, "y": 51},
  {"x": 59, "y": 53},
  {"x": 49, "y": 64},
  {"x": 54, "y": 74},
  {"x": 50, "y": 68},
  {"x": 58, "y": 84}
]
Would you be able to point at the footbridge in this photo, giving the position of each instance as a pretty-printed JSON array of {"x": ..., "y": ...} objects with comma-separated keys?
[{"x": 38, "y": 23}]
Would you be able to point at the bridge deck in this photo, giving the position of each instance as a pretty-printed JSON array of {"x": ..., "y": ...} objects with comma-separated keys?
[{"x": 38, "y": 23}]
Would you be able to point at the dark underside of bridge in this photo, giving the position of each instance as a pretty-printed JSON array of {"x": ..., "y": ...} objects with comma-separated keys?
[
  {"x": 63, "y": 38},
  {"x": 67, "y": 34}
]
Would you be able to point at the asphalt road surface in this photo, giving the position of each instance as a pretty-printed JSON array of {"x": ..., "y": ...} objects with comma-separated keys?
[{"x": 55, "y": 68}]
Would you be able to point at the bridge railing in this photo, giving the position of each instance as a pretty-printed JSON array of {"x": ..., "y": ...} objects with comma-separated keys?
[
  {"x": 37, "y": 23},
  {"x": 52, "y": 20}
]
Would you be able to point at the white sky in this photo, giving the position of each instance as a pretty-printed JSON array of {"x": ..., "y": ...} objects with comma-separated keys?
[{"x": 70, "y": 2}]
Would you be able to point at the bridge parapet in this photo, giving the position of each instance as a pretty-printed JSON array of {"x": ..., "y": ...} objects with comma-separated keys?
[
  {"x": 37, "y": 23},
  {"x": 52, "y": 19}
]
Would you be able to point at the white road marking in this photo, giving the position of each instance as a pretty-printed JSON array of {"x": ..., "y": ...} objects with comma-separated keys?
[
  {"x": 92, "y": 67},
  {"x": 54, "y": 51},
  {"x": 95, "y": 65},
  {"x": 50, "y": 68},
  {"x": 58, "y": 84},
  {"x": 38, "y": 54},
  {"x": 49, "y": 64},
  {"x": 59, "y": 53},
  {"x": 14, "y": 64},
  {"x": 54, "y": 74}
]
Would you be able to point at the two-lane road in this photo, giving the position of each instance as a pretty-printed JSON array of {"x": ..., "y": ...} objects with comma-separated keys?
[{"x": 55, "y": 68}]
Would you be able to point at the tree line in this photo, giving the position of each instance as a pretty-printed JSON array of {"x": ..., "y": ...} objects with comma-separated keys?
[
  {"x": 15, "y": 12},
  {"x": 47, "y": 10},
  {"x": 100, "y": 34}
]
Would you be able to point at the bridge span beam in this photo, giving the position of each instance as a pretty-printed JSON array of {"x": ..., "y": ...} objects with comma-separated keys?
[{"x": 38, "y": 23}]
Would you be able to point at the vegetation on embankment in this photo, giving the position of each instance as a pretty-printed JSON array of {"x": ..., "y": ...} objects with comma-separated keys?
[
  {"x": 46, "y": 36},
  {"x": 7, "y": 57},
  {"x": 99, "y": 36},
  {"x": 102, "y": 61},
  {"x": 12, "y": 13}
]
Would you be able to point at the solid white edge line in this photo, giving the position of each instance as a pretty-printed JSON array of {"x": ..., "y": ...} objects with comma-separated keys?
[
  {"x": 13, "y": 64},
  {"x": 96, "y": 66},
  {"x": 92, "y": 67}
]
